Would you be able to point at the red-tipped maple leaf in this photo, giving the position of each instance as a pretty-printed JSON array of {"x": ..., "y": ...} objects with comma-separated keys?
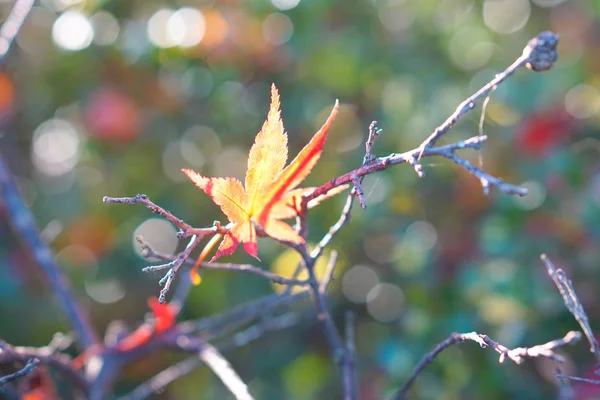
[{"x": 269, "y": 193}]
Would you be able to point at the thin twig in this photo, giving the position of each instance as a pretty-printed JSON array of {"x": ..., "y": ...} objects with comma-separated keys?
[
  {"x": 517, "y": 355},
  {"x": 374, "y": 133},
  {"x": 12, "y": 25},
  {"x": 47, "y": 356},
  {"x": 218, "y": 364},
  {"x": 323, "y": 314},
  {"x": 335, "y": 228},
  {"x": 329, "y": 270},
  {"x": 185, "y": 230},
  {"x": 259, "y": 329},
  {"x": 250, "y": 269},
  {"x": 182, "y": 368},
  {"x": 572, "y": 302},
  {"x": 24, "y": 224},
  {"x": 245, "y": 268},
  {"x": 238, "y": 316},
  {"x": 163, "y": 378},
  {"x": 565, "y": 391},
  {"x": 539, "y": 55},
  {"x": 485, "y": 178},
  {"x": 382, "y": 163},
  {"x": 578, "y": 379},
  {"x": 349, "y": 368},
  {"x": 223, "y": 369},
  {"x": 31, "y": 365},
  {"x": 174, "y": 268},
  {"x": 19, "y": 214}
]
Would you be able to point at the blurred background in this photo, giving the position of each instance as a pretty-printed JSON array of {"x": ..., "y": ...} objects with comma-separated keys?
[{"x": 115, "y": 97}]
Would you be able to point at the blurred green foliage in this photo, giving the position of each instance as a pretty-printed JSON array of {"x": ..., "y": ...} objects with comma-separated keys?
[{"x": 114, "y": 98}]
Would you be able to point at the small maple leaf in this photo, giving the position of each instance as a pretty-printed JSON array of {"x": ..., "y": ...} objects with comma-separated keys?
[
  {"x": 269, "y": 193},
  {"x": 164, "y": 318}
]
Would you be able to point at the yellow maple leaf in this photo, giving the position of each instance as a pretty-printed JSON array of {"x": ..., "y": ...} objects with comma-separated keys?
[{"x": 269, "y": 192}]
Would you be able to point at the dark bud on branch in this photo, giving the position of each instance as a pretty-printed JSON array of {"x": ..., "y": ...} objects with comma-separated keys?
[{"x": 541, "y": 51}]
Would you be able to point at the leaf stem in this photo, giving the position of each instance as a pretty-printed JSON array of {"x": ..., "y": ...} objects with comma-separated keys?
[{"x": 195, "y": 277}]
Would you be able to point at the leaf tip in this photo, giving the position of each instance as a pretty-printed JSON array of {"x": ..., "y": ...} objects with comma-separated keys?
[
  {"x": 252, "y": 249},
  {"x": 195, "y": 278}
]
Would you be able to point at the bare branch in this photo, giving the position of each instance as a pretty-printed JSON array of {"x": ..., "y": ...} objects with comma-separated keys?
[
  {"x": 485, "y": 179},
  {"x": 185, "y": 230},
  {"x": 565, "y": 391},
  {"x": 349, "y": 368},
  {"x": 329, "y": 270},
  {"x": 47, "y": 356},
  {"x": 374, "y": 133},
  {"x": 163, "y": 378},
  {"x": 12, "y": 25},
  {"x": 517, "y": 355},
  {"x": 331, "y": 332},
  {"x": 578, "y": 379},
  {"x": 173, "y": 268},
  {"x": 240, "y": 339},
  {"x": 221, "y": 367},
  {"x": 254, "y": 332},
  {"x": 565, "y": 287},
  {"x": 24, "y": 224},
  {"x": 539, "y": 55},
  {"x": 31, "y": 365},
  {"x": 382, "y": 163},
  {"x": 238, "y": 316},
  {"x": 250, "y": 269},
  {"x": 245, "y": 268},
  {"x": 335, "y": 228}
]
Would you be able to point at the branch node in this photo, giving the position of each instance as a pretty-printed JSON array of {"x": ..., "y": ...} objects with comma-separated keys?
[{"x": 416, "y": 166}]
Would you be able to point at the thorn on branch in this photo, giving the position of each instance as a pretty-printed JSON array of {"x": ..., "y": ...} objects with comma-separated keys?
[{"x": 541, "y": 51}]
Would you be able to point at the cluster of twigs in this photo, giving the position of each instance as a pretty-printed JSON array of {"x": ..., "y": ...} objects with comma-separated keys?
[{"x": 205, "y": 339}]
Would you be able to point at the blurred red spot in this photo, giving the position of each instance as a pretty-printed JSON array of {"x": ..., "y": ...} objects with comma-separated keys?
[
  {"x": 113, "y": 117},
  {"x": 164, "y": 318},
  {"x": 7, "y": 93},
  {"x": 541, "y": 132}
]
